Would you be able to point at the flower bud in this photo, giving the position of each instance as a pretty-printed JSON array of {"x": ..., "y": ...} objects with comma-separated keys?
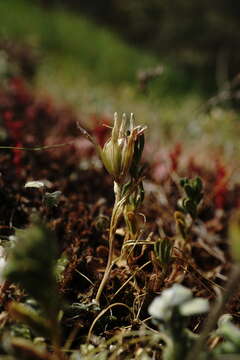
[
  {"x": 122, "y": 152},
  {"x": 118, "y": 153}
]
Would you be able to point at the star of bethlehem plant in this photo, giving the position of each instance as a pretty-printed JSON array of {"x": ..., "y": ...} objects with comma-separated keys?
[{"x": 121, "y": 155}]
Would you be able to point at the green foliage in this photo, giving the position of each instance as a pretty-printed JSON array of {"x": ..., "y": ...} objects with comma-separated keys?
[
  {"x": 31, "y": 264},
  {"x": 193, "y": 189},
  {"x": 85, "y": 65},
  {"x": 163, "y": 251},
  {"x": 231, "y": 335},
  {"x": 199, "y": 36},
  {"x": 77, "y": 40},
  {"x": 138, "y": 149},
  {"x": 23, "y": 349},
  {"x": 24, "y": 314},
  {"x": 52, "y": 199},
  {"x": 61, "y": 265}
]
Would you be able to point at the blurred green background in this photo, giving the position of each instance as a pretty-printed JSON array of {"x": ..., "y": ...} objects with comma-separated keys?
[{"x": 174, "y": 64}]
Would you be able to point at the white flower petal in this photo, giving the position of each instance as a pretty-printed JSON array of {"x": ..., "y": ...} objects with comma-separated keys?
[
  {"x": 161, "y": 307},
  {"x": 176, "y": 295},
  {"x": 194, "y": 307},
  {"x": 158, "y": 309},
  {"x": 34, "y": 184}
]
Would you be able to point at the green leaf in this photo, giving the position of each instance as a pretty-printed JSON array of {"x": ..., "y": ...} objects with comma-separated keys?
[
  {"x": 31, "y": 264},
  {"x": 52, "y": 199},
  {"x": 22, "y": 313}
]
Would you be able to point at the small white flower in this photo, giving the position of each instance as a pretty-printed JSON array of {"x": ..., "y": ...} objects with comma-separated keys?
[
  {"x": 34, "y": 184},
  {"x": 161, "y": 307},
  {"x": 177, "y": 296},
  {"x": 194, "y": 307}
]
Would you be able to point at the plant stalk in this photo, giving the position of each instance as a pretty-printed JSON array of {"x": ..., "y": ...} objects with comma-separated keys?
[{"x": 113, "y": 226}]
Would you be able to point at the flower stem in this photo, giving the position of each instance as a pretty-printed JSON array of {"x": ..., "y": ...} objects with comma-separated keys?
[{"x": 116, "y": 213}]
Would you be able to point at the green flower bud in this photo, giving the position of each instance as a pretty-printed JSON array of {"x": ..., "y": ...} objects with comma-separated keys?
[
  {"x": 119, "y": 151},
  {"x": 122, "y": 152}
]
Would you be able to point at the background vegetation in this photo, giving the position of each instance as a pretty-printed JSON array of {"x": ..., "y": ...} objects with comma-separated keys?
[
  {"x": 93, "y": 69},
  {"x": 201, "y": 37}
]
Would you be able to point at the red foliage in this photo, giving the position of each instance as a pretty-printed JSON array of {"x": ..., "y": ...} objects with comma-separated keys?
[
  {"x": 165, "y": 162},
  {"x": 192, "y": 167},
  {"x": 18, "y": 97},
  {"x": 31, "y": 121},
  {"x": 25, "y": 119},
  {"x": 19, "y": 90},
  {"x": 99, "y": 130},
  {"x": 175, "y": 156},
  {"x": 221, "y": 185}
]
